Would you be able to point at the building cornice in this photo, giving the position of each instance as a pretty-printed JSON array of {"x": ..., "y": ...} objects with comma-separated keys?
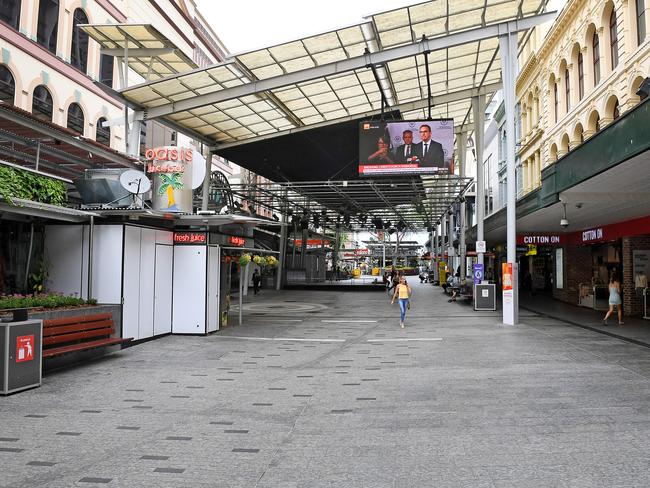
[
  {"x": 526, "y": 72},
  {"x": 559, "y": 27}
]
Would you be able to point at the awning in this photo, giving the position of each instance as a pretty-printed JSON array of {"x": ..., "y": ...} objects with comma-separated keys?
[
  {"x": 24, "y": 139},
  {"x": 150, "y": 53},
  {"x": 29, "y": 208},
  {"x": 342, "y": 74}
]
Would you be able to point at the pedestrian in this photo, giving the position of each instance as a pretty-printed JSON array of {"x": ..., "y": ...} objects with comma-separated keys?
[
  {"x": 257, "y": 279},
  {"x": 614, "y": 299},
  {"x": 402, "y": 293}
]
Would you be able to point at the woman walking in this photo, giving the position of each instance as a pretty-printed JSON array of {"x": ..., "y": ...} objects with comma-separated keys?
[
  {"x": 402, "y": 293},
  {"x": 614, "y": 299}
]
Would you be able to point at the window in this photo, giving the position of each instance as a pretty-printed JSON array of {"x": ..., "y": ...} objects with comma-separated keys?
[
  {"x": 10, "y": 12},
  {"x": 596, "y": 49},
  {"x": 640, "y": 21},
  {"x": 48, "y": 23},
  {"x": 616, "y": 113},
  {"x": 556, "y": 103},
  {"x": 106, "y": 64},
  {"x": 581, "y": 77},
  {"x": 613, "y": 39},
  {"x": 75, "y": 118},
  {"x": 42, "y": 104},
  {"x": 79, "y": 54},
  {"x": 103, "y": 133},
  {"x": 567, "y": 89},
  {"x": 7, "y": 86}
]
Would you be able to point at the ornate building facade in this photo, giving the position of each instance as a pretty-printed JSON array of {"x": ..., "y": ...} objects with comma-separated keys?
[{"x": 578, "y": 78}]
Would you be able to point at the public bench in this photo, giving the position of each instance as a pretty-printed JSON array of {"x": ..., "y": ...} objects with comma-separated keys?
[{"x": 72, "y": 334}]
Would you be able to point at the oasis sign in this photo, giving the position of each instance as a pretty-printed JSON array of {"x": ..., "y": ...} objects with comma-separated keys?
[{"x": 167, "y": 155}]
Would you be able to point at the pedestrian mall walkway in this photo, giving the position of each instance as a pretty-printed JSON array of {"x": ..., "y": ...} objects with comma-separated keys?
[{"x": 322, "y": 389}]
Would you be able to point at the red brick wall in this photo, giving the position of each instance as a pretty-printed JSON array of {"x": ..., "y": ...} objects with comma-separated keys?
[
  {"x": 631, "y": 304},
  {"x": 577, "y": 269}
]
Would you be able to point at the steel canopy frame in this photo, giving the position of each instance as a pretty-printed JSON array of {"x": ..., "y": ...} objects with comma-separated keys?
[{"x": 416, "y": 203}]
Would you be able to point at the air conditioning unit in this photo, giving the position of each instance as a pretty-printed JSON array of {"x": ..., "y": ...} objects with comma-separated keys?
[{"x": 101, "y": 188}]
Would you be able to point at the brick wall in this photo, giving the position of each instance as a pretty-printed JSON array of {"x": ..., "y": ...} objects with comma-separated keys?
[
  {"x": 577, "y": 269},
  {"x": 631, "y": 304}
]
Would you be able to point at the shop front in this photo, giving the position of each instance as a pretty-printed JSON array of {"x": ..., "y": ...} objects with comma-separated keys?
[
  {"x": 592, "y": 256},
  {"x": 537, "y": 254}
]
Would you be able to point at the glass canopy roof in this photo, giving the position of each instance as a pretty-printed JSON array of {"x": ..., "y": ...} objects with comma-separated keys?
[
  {"x": 164, "y": 58},
  {"x": 350, "y": 93}
]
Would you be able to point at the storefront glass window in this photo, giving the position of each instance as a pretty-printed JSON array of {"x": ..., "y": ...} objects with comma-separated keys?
[
  {"x": 48, "y": 24},
  {"x": 79, "y": 54},
  {"x": 14, "y": 248},
  {"x": 42, "y": 104},
  {"x": 10, "y": 12},
  {"x": 7, "y": 85},
  {"x": 76, "y": 118},
  {"x": 640, "y": 21}
]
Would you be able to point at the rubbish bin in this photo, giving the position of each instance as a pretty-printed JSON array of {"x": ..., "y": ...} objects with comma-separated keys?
[{"x": 21, "y": 357}]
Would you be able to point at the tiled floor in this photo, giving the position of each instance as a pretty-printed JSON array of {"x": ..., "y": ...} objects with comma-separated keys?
[{"x": 343, "y": 398}]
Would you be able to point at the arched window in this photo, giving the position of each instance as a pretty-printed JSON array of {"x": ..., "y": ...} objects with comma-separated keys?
[
  {"x": 7, "y": 86},
  {"x": 76, "y": 118},
  {"x": 106, "y": 63},
  {"x": 567, "y": 89},
  {"x": 556, "y": 103},
  {"x": 581, "y": 77},
  {"x": 640, "y": 21},
  {"x": 103, "y": 133},
  {"x": 596, "y": 49},
  {"x": 613, "y": 39},
  {"x": 42, "y": 104},
  {"x": 616, "y": 113},
  {"x": 10, "y": 12},
  {"x": 48, "y": 23},
  {"x": 79, "y": 54}
]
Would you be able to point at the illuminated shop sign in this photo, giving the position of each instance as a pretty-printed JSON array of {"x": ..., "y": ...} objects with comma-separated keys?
[
  {"x": 237, "y": 241},
  {"x": 190, "y": 238},
  {"x": 162, "y": 159},
  {"x": 592, "y": 235},
  {"x": 540, "y": 239}
]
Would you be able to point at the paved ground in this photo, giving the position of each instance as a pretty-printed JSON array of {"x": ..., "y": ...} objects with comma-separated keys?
[
  {"x": 635, "y": 329},
  {"x": 538, "y": 405}
]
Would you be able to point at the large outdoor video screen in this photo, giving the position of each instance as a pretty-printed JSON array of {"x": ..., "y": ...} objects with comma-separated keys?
[{"x": 406, "y": 147}]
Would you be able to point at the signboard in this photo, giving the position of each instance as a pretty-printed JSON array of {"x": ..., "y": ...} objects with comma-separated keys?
[
  {"x": 406, "y": 147},
  {"x": 190, "y": 238},
  {"x": 236, "y": 241},
  {"x": 532, "y": 250},
  {"x": 25, "y": 348},
  {"x": 593, "y": 235},
  {"x": 174, "y": 176},
  {"x": 480, "y": 246},
  {"x": 506, "y": 275},
  {"x": 477, "y": 273},
  {"x": 541, "y": 239},
  {"x": 312, "y": 243}
]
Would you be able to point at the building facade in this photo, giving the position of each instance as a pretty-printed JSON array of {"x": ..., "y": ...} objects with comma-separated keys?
[{"x": 578, "y": 78}]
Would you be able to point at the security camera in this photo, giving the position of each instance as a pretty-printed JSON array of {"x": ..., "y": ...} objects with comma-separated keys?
[{"x": 564, "y": 223}]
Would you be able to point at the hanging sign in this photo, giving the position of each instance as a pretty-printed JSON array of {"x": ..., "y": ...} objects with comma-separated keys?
[
  {"x": 24, "y": 348},
  {"x": 173, "y": 178}
]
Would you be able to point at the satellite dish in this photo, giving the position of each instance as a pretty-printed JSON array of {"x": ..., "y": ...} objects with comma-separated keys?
[
  {"x": 198, "y": 169},
  {"x": 135, "y": 182}
]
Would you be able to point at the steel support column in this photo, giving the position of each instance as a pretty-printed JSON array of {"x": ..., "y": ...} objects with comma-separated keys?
[
  {"x": 462, "y": 153},
  {"x": 478, "y": 108},
  {"x": 283, "y": 246},
  {"x": 508, "y": 51}
]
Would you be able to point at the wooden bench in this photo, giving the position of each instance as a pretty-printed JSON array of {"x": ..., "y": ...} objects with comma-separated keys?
[{"x": 73, "y": 334}]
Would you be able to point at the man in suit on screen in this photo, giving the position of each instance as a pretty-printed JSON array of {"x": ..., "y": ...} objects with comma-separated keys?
[
  {"x": 405, "y": 153},
  {"x": 429, "y": 152}
]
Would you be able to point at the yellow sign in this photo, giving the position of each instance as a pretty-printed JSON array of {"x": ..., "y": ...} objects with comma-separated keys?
[
  {"x": 442, "y": 266},
  {"x": 532, "y": 250}
]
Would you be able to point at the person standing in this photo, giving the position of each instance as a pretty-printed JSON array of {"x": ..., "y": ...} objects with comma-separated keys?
[
  {"x": 257, "y": 279},
  {"x": 405, "y": 153},
  {"x": 402, "y": 293},
  {"x": 614, "y": 299},
  {"x": 429, "y": 152}
]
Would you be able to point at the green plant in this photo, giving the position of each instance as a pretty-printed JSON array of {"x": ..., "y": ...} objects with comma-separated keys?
[
  {"x": 37, "y": 279},
  {"x": 16, "y": 183},
  {"x": 45, "y": 300}
]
